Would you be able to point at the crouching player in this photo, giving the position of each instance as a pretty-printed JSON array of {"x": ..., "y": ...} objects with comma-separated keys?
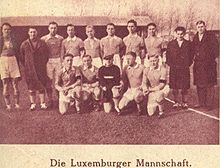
[
  {"x": 109, "y": 79},
  {"x": 132, "y": 75},
  {"x": 68, "y": 84},
  {"x": 90, "y": 83},
  {"x": 154, "y": 85}
]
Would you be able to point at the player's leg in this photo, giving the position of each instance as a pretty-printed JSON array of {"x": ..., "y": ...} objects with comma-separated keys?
[
  {"x": 184, "y": 98},
  {"x": 63, "y": 107},
  {"x": 107, "y": 106},
  {"x": 210, "y": 97},
  {"x": 16, "y": 92},
  {"x": 6, "y": 94},
  {"x": 97, "y": 96},
  {"x": 116, "y": 98},
  {"x": 49, "y": 90},
  {"x": 76, "y": 94},
  {"x": 42, "y": 99},
  {"x": 32, "y": 97},
  {"x": 175, "y": 93},
  {"x": 139, "y": 97}
]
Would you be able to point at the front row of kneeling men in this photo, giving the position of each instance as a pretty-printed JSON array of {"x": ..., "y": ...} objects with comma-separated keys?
[{"x": 106, "y": 84}]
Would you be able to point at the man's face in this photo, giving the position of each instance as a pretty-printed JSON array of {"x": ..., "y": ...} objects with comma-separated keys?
[
  {"x": 108, "y": 62},
  {"x": 151, "y": 30},
  {"x": 6, "y": 30},
  {"x": 131, "y": 28},
  {"x": 201, "y": 28},
  {"x": 87, "y": 61},
  {"x": 130, "y": 60},
  {"x": 82, "y": 53},
  {"x": 90, "y": 32},
  {"x": 68, "y": 62},
  {"x": 52, "y": 29},
  {"x": 32, "y": 33},
  {"x": 180, "y": 35},
  {"x": 154, "y": 61},
  {"x": 71, "y": 31},
  {"x": 110, "y": 30}
]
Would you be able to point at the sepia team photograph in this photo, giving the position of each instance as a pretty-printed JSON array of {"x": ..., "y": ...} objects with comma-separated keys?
[{"x": 143, "y": 72}]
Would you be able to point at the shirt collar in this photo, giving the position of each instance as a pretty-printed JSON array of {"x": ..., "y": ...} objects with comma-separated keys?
[
  {"x": 95, "y": 39},
  {"x": 49, "y": 36},
  {"x": 65, "y": 70},
  {"x": 91, "y": 69},
  {"x": 133, "y": 35},
  {"x": 158, "y": 68},
  {"x": 135, "y": 67},
  {"x": 114, "y": 37},
  {"x": 71, "y": 39}
]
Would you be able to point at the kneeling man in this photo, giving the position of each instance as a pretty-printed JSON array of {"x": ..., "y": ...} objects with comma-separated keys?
[
  {"x": 109, "y": 79},
  {"x": 68, "y": 84},
  {"x": 132, "y": 76},
  {"x": 90, "y": 83},
  {"x": 154, "y": 84}
]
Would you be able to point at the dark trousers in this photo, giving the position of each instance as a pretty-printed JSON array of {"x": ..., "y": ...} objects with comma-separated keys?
[{"x": 206, "y": 96}]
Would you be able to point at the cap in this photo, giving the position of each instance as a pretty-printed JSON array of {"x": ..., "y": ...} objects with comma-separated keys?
[{"x": 108, "y": 57}]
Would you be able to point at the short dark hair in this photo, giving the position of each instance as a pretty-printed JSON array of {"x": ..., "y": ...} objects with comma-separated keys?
[
  {"x": 71, "y": 25},
  {"x": 32, "y": 27},
  {"x": 82, "y": 49},
  {"x": 153, "y": 56},
  {"x": 6, "y": 24},
  {"x": 54, "y": 23},
  {"x": 200, "y": 22},
  {"x": 180, "y": 28},
  {"x": 67, "y": 55},
  {"x": 151, "y": 24},
  {"x": 110, "y": 24},
  {"x": 90, "y": 26},
  {"x": 132, "y": 21},
  {"x": 133, "y": 54},
  {"x": 84, "y": 56}
]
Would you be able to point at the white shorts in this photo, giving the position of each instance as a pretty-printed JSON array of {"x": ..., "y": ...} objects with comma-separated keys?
[
  {"x": 70, "y": 96},
  {"x": 132, "y": 93},
  {"x": 77, "y": 61},
  {"x": 138, "y": 61},
  {"x": 154, "y": 98},
  {"x": 97, "y": 62},
  {"x": 53, "y": 67},
  {"x": 9, "y": 67}
]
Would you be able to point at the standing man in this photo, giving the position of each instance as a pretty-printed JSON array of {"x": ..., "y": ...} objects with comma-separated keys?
[
  {"x": 133, "y": 74},
  {"x": 206, "y": 50},
  {"x": 72, "y": 45},
  {"x": 92, "y": 46},
  {"x": 34, "y": 58},
  {"x": 179, "y": 57},
  {"x": 53, "y": 41},
  {"x": 9, "y": 69},
  {"x": 153, "y": 43},
  {"x": 90, "y": 83},
  {"x": 112, "y": 45},
  {"x": 133, "y": 42}
]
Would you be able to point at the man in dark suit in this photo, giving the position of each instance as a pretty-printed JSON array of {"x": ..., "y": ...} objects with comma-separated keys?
[
  {"x": 179, "y": 57},
  {"x": 206, "y": 50}
]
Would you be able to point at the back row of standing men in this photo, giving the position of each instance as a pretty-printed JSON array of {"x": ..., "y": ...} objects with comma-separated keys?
[{"x": 41, "y": 59}]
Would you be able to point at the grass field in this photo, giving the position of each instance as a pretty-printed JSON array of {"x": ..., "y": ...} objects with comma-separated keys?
[{"x": 49, "y": 127}]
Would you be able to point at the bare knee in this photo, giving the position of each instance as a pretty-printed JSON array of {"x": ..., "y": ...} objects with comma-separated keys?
[
  {"x": 63, "y": 107},
  {"x": 107, "y": 107}
]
